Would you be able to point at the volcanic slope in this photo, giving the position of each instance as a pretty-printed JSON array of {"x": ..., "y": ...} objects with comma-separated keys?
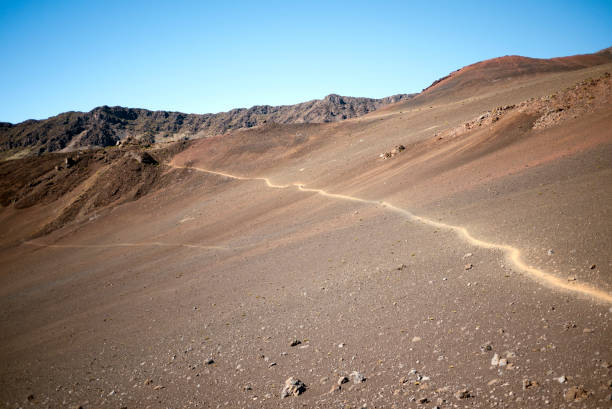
[{"x": 192, "y": 295}]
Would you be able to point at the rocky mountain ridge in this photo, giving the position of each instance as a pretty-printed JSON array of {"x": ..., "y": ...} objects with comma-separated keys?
[{"x": 105, "y": 126}]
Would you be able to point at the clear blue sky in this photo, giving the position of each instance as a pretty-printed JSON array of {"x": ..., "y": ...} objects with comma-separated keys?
[{"x": 207, "y": 56}]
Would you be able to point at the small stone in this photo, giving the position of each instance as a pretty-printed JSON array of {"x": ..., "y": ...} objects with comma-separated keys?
[
  {"x": 416, "y": 339},
  {"x": 575, "y": 393},
  {"x": 462, "y": 394},
  {"x": 592, "y": 266},
  {"x": 342, "y": 380},
  {"x": 495, "y": 360},
  {"x": 529, "y": 384},
  {"x": 503, "y": 362},
  {"x": 403, "y": 380},
  {"x": 468, "y": 266},
  {"x": 357, "y": 377},
  {"x": 295, "y": 342},
  {"x": 466, "y": 255},
  {"x": 247, "y": 388},
  {"x": 69, "y": 162},
  {"x": 209, "y": 361},
  {"x": 423, "y": 401},
  {"x": 588, "y": 330},
  {"x": 158, "y": 387},
  {"x": 323, "y": 380},
  {"x": 486, "y": 347},
  {"x": 571, "y": 278},
  {"x": 30, "y": 397},
  {"x": 550, "y": 252},
  {"x": 341, "y": 345},
  {"x": 335, "y": 388},
  {"x": 561, "y": 379},
  {"x": 293, "y": 386},
  {"x": 401, "y": 267},
  {"x": 148, "y": 381},
  {"x": 271, "y": 364}
]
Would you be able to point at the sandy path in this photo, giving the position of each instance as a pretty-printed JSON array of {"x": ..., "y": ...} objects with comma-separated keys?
[{"x": 513, "y": 254}]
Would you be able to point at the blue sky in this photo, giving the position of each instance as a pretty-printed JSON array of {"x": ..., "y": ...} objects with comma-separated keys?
[{"x": 207, "y": 56}]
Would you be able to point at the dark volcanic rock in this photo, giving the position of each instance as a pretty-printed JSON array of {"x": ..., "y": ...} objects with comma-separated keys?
[{"x": 105, "y": 126}]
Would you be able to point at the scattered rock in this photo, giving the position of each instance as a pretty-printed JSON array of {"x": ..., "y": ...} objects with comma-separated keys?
[
  {"x": 561, "y": 379},
  {"x": 486, "y": 347},
  {"x": 293, "y": 386},
  {"x": 462, "y": 394},
  {"x": 422, "y": 401},
  {"x": 468, "y": 266},
  {"x": 142, "y": 157},
  {"x": 335, "y": 388},
  {"x": 271, "y": 364},
  {"x": 69, "y": 162},
  {"x": 209, "y": 361},
  {"x": 401, "y": 267},
  {"x": 550, "y": 252},
  {"x": 571, "y": 278},
  {"x": 30, "y": 397},
  {"x": 158, "y": 387},
  {"x": 342, "y": 380},
  {"x": 247, "y": 388},
  {"x": 466, "y": 255},
  {"x": 588, "y": 330},
  {"x": 357, "y": 377},
  {"x": 295, "y": 342},
  {"x": 593, "y": 266},
  {"x": 416, "y": 339},
  {"x": 569, "y": 325},
  {"x": 398, "y": 149},
  {"x": 576, "y": 393},
  {"x": 527, "y": 383},
  {"x": 495, "y": 360}
]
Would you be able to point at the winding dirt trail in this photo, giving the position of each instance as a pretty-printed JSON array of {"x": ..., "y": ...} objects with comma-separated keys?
[{"x": 513, "y": 254}]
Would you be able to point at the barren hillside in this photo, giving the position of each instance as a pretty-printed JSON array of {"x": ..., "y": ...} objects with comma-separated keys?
[
  {"x": 105, "y": 126},
  {"x": 450, "y": 250}
]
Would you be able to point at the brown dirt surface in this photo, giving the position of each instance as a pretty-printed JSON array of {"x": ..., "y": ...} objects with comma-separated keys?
[{"x": 471, "y": 269}]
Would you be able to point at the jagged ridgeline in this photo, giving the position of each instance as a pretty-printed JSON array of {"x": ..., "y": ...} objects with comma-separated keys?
[{"x": 104, "y": 126}]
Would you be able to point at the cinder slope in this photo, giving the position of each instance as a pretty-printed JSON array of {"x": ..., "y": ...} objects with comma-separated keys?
[{"x": 512, "y": 66}]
